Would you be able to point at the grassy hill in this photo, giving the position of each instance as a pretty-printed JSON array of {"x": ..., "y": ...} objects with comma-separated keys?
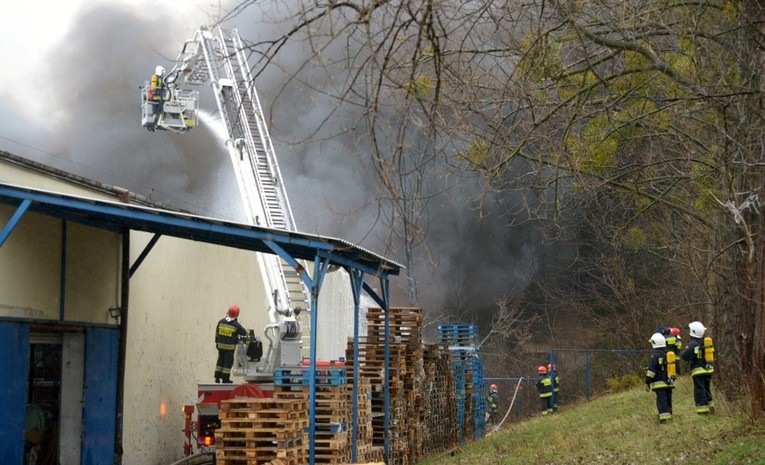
[{"x": 622, "y": 429}]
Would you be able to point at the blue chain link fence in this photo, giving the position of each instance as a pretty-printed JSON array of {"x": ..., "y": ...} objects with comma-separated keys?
[{"x": 583, "y": 373}]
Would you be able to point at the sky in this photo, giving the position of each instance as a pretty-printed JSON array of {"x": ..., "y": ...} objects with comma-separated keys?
[{"x": 69, "y": 98}]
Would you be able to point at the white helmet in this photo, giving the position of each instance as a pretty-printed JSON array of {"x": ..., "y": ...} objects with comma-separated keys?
[
  {"x": 697, "y": 329},
  {"x": 160, "y": 71},
  {"x": 657, "y": 341}
]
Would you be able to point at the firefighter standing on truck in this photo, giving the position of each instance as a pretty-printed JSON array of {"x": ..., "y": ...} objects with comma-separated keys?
[
  {"x": 660, "y": 376},
  {"x": 227, "y": 334},
  {"x": 700, "y": 354}
]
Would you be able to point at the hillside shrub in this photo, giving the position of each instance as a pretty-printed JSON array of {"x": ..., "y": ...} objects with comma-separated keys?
[{"x": 623, "y": 383}]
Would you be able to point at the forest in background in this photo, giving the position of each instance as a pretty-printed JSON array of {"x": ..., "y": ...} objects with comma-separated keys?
[{"x": 624, "y": 139}]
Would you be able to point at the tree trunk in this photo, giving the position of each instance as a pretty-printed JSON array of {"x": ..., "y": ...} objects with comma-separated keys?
[{"x": 757, "y": 303}]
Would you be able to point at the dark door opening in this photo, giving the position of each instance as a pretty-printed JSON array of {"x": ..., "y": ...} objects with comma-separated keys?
[
  {"x": 53, "y": 428},
  {"x": 41, "y": 430}
]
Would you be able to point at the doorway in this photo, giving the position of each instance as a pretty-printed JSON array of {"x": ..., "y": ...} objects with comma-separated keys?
[{"x": 53, "y": 420}]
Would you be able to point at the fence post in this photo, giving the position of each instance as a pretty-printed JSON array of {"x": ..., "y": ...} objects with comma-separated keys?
[
  {"x": 553, "y": 372},
  {"x": 621, "y": 362},
  {"x": 518, "y": 403},
  {"x": 587, "y": 375}
]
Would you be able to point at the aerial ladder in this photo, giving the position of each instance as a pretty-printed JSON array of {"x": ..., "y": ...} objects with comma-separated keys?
[{"x": 217, "y": 58}]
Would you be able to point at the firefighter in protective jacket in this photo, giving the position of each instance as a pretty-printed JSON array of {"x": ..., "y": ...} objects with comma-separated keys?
[
  {"x": 492, "y": 401},
  {"x": 658, "y": 379},
  {"x": 675, "y": 344},
  {"x": 544, "y": 388},
  {"x": 552, "y": 370},
  {"x": 701, "y": 358},
  {"x": 227, "y": 334}
]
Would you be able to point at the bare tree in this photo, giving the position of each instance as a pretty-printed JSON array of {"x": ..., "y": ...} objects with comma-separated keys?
[{"x": 659, "y": 101}]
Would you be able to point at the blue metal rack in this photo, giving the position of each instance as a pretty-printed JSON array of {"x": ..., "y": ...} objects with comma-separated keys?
[{"x": 460, "y": 341}]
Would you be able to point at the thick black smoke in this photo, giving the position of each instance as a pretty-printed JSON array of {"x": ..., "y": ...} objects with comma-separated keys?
[{"x": 91, "y": 86}]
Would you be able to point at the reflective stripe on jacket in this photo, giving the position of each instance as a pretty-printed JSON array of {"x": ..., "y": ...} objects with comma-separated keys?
[
  {"x": 227, "y": 334},
  {"x": 656, "y": 374},
  {"x": 493, "y": 401},
  {"x": 544, "y": 387},
  {"x": 693, "y": 353}
]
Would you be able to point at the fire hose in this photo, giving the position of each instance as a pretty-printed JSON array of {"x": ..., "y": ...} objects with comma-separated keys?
[{"x": 512, "y": 402}]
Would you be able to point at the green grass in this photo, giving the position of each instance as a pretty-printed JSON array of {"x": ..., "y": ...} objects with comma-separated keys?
[{"x": 622, "y": 429}]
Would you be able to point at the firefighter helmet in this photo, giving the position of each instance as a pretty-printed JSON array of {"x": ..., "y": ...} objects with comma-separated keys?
[
  {"x": 674, "y": 331},
  {"x": 657, "y": 341},
  {"x": 159, "y": 71},
  {"x": 697, "y": 329},
  {"x": 233, "y": 311},
  {"x": 542, "y": 370},
  {"x": 493, "y": 387}
]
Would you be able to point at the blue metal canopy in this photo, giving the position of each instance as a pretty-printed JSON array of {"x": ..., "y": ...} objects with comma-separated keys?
[
  {"x": 324, "y": 252},
  {"x": 121, "y": 217}
]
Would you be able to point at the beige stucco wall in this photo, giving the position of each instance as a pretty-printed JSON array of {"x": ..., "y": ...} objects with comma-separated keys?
[
  {"x": 93, "y": 274},
  {"x": 177, "y": 295},
  {"x": 30, "y": 262}
]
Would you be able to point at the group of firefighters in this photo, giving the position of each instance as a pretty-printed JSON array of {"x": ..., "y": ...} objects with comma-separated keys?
[
  {"x": 664, "y": 367},
  {"x": 548, "y": 387},
  {"x": 660, "y": 376}
]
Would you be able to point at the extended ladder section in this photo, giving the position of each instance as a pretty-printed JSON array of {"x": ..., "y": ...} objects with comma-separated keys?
[{"x": 220, "y": 58}]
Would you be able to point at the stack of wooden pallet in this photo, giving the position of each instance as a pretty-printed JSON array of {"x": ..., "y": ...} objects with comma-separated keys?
[
  {"x": 332, "y": 413},
  {"x": 439, "y": 425},
  {"x": 259, "y": 431},
  {"x": 404, "y": 382},
  {"x": 364, "y": 448}
]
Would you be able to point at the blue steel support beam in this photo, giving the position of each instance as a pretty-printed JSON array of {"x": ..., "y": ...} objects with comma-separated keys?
[
  {"x": 144, "y": 254},
  {"x": 357, "y": 281},
  {"x": 320, "y": 270},
  {"x": 8, "y": 229},
  {"x": 284, "y": 255},
  {"x": 373, "y": 294}
]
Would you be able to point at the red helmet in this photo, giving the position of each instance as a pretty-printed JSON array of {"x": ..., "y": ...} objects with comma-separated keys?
[
  {"x": 674, "y": 331},
  {"x": 542, "y": 370},
  {"x": 233, "y": 311},
  {"x": 493, "y": 387}
]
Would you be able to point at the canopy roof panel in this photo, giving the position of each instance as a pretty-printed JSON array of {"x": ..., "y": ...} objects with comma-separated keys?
[{"x": 121, "y": 217}]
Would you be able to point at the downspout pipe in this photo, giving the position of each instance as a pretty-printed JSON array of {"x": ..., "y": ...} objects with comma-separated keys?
[{"x": 123, "y": 325}]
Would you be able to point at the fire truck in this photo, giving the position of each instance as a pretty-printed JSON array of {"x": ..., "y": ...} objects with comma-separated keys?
[{"x": 169, "y": 102}]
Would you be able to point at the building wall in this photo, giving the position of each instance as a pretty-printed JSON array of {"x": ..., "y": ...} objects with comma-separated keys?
[
  {"x": 177, "y": 295},
  {"x": 30, "y": 263}
]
